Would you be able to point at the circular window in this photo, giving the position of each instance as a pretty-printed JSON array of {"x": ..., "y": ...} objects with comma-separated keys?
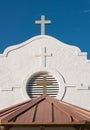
[{"x": 42, "y": 83}]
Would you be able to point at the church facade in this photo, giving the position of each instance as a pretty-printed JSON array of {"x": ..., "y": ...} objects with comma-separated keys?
[{"x": 44, "y": 64}]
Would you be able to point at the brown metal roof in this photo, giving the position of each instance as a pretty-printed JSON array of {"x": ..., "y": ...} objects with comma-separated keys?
[{"x": 44, "y": 110}]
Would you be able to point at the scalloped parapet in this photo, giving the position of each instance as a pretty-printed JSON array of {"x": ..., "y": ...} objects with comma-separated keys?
[{"x": 21, "y": 45}]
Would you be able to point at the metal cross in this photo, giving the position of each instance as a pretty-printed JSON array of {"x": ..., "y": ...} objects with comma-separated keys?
[
  {"x": 43, "y": 22},
  {"x": 44, "y": 83},
  {"x": 43, "y": 56}
]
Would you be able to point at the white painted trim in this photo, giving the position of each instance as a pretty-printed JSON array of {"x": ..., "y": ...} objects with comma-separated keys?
[{"x": 13, "y": 48}]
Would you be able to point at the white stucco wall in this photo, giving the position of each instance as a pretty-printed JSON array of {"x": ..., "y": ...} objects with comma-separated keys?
[{"x": 66, "y": 63}]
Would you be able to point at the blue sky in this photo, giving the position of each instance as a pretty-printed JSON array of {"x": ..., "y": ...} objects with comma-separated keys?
[{"x": 70, "y": 21}]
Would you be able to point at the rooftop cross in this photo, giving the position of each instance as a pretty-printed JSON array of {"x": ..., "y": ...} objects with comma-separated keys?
[
  {"x": 44, "y": 83},
  {"x": 43, "y": 22}
]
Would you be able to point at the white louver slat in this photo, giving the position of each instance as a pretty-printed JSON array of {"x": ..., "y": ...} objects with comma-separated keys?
[{"x": 34, "y": 90}]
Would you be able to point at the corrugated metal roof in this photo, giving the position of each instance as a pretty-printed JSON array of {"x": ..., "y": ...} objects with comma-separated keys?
[{"x": 44, "y": 110}]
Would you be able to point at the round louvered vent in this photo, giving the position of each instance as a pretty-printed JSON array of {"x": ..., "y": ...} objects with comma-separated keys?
[{"x": 42, "y": 83}]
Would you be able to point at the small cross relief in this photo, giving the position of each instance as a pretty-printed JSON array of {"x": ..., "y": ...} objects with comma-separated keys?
[
  {"x": 44, "y": 83},
  {"x": 44, "y": 56}
]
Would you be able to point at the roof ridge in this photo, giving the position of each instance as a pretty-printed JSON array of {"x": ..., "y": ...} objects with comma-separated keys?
[
  {"x": 75, "y": 106},
  {"x": 23, "y": 109},
  {"x": 13, "y": 106},
  {"x": 78, "y": 110},
  {"x": 56, "y": 103}
]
